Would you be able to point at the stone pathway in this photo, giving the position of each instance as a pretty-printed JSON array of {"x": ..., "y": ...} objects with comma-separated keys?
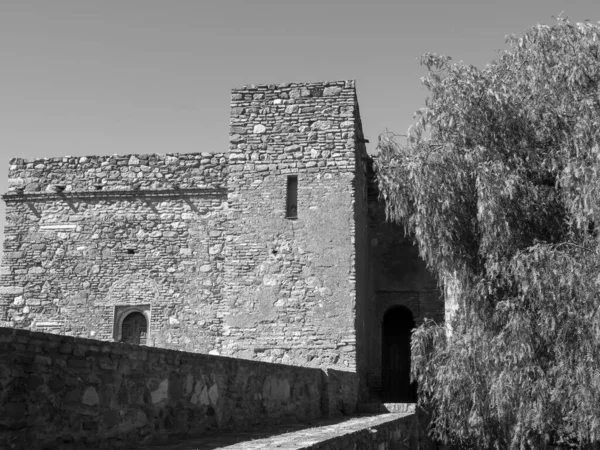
[{"x": 294, "y": 437}]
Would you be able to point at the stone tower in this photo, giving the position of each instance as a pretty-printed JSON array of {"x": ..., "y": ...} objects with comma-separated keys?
[{"x": 296, "y": 189}]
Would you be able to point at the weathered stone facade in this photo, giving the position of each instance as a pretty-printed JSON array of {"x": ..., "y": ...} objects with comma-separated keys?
[
  {"x": 72, "y": 257},
  {"x": 204, "y": 247}
]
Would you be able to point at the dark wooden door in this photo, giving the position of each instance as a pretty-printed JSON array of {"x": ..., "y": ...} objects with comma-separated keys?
[
  {"x": 397, "y": 326},
  {"x": 135, "y": 329}
]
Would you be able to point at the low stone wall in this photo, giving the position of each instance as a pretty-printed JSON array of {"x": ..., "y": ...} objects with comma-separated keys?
[
  {"x": 341, "y": 394},
  {"x": 56, "y": 390}
]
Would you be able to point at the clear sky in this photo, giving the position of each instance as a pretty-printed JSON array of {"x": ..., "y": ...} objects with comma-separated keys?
[{"x": 85, "y": 77}]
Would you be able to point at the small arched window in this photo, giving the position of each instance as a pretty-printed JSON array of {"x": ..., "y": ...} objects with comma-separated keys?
[{"x": 134, "y": 329}]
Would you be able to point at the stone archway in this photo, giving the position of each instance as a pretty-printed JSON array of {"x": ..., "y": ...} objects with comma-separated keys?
[
  {"x": 131, "y": 318},
  {"x": 131, "y": 289},
  {"x": 134, "y": 328},
  {"x": 132, "y": 292},
  {"x": 398, "y": 323}
]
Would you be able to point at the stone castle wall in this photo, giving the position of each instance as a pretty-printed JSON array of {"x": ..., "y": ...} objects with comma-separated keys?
[
  {"x": 140, "y": 231},
  {"x": 60, "y": 391},
  {"x": 201, "y": 244}
]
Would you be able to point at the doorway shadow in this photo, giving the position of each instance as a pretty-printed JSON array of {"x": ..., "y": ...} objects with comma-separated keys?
[{"x": 398, "y": 324}]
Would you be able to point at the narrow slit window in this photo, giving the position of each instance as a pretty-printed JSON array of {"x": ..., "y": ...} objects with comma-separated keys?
[{"x": 292, "y": 197}]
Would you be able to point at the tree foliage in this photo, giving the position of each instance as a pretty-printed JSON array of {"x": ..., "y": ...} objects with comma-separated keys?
[{"x": 499, "y": 185}]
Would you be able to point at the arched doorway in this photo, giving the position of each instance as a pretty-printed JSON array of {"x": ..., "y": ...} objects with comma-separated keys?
[
  {"x": 134, "y": 329},
  {"x": 397, "y": 327}
]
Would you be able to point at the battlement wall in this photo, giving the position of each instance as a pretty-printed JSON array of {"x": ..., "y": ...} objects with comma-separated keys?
[{"x": 58, "y": 390}]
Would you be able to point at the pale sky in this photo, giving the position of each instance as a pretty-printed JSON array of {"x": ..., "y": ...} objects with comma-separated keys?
[{"x": 83, "y": 77}]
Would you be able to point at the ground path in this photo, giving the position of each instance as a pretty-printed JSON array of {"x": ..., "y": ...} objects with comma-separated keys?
[{"x": 323, "y": 434}]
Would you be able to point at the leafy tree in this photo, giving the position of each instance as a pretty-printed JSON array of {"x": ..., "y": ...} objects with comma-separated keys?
[{"x": 499, "y": 183}]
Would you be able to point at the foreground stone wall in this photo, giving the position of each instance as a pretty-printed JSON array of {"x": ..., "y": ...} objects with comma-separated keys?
[
  {"x": 74, "y": 259},
  {"x": 341, "y": 396},
  {"x": 58, "y": 389}
]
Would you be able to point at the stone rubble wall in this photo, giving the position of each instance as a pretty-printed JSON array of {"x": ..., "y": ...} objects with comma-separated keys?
[
  {"x": 119, "y": 172},
  {"x": 341, "y": 396},
  {"x": 291, "y": 282},
  {"x": 70, "y": 261},
  {"x": 58, "y": 391},
  {"x": 87, "y": 235}
]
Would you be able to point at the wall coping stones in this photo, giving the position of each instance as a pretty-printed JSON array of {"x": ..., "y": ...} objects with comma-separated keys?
[
  {"x": 23, "y": 335},
  {"x": 384, "y": 431}
]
